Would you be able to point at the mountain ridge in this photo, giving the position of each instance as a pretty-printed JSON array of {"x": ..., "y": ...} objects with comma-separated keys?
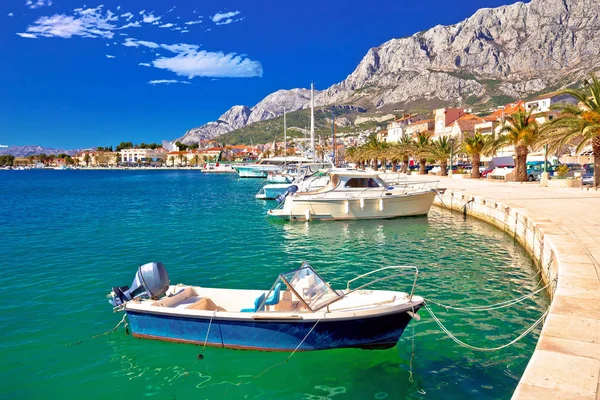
[{"x": 496, "y": 54}]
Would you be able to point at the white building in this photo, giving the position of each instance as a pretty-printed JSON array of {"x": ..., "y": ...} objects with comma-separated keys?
[
  {"x": 543, "y": 103},
  {"x": 135, "y": 156}
]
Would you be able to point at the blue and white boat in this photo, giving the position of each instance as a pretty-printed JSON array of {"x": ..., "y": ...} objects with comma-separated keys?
[{"x": 300, "y": 312}]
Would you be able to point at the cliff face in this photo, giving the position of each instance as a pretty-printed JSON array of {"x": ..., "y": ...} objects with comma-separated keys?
[
  {"x": 509, "y": 51},
  {"x": 239, "y": 116},
  {"x": 506, "y": 51}
]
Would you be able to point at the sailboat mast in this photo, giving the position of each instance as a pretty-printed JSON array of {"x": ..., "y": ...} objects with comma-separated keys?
[
  {"x": 312, "y": 120},
  {"x": 284, "y": 139}
]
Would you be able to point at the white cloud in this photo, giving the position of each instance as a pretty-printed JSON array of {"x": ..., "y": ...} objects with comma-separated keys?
[
  {"x": 127, "y": 15},
  {"x": 194, "y": 22},
  {"x": 118, "y": 8},
  {"x": 166, "y": 25},
  {"x": 226, "y": 22},
  {"x": 142, "y": 12},
  {"x": 174, "y": 7},
  {"x": 203, "y": 63},
  {"x": 166, "y": 81},
  {"x": 185, "y": 30},
  {"x": 150, "y": 18},
  {"x": 27, "y": 35},
  {"x": 145, "y": 64},
  {"x": 107, "y": 44},
  {"x": 10, "y": 14},
  {"x": 38, "y": 3},
  {"x": 135, "y": 24},
  {"x": 89, "y": 23},
  {"x": 220, "y": 16},
  {"x": 110, "y": 56}
]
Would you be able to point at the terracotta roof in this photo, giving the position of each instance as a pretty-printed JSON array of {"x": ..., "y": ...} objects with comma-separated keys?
[
  {"x": 546, "y": 96},
  {"x": 508, "y": 109},
  {"x": 467, "y": 122},
  {"x": 424, "y": 121}
]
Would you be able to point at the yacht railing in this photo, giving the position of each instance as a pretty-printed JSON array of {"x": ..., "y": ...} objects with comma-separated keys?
[{"x": 397, "y": 267}]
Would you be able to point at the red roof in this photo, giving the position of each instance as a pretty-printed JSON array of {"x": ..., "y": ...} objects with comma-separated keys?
[{"x": 508, "y": 109}]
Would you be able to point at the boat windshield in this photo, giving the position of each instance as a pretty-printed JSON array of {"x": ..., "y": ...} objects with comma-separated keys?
[{"x": 310, "y": 287}]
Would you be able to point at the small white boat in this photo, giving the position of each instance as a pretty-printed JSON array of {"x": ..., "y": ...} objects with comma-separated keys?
[
  {"x": 300, "y": 312},
  {"x": 352, "y": 194},
  {"x": 303, "y": 183}
]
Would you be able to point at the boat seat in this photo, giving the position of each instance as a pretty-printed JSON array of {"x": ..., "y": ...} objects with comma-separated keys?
[
  {"x": 274, "y": 297},
  {"x": 177, "y": 298},
  {"x": 257, "y": 304},
  {"x": 205, "y": 304}
]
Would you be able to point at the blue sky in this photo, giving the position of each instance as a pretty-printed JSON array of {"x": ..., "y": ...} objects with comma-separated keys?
[{"x": 93, "y": 73}]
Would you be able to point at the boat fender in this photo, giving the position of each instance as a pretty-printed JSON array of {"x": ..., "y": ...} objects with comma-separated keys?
[
  {"x": 307, "y": 214},
  {"x": 380, "y": 204},
  {"x": 347, "y": 207},
  {"x": 362, "y": 203}
]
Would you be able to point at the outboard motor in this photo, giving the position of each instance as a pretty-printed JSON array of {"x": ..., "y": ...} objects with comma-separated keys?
[
  {"x": 151, "y": 279},
  {"x": 290, "y": 190}
]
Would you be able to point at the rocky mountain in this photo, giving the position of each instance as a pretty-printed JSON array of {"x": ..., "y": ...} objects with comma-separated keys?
[
  {"x": 509, "y": 51},
  {"x": 24, "y": 151},
  {"x": 239, "y": 116},
  {"x": 496, "y": 55}
]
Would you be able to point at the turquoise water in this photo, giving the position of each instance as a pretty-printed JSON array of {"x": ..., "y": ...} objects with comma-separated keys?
[{"x": 67, "y": 237}]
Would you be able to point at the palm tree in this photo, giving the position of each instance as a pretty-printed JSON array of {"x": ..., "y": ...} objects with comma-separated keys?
[
  {"x": 373, "y": 150},
  {"x": 267, "y": 153},
  {"x": 392, "y": 154},
  {"x": 181, "y": 157},
  {"x": 442, "y": 149},
  {"x": 579, "y": 122},
  {"x": 522, "y": 132},
  {"x": 195, "y": 160},
  {"x": 422, "y": 149},
  {"x": 475, "y": 146},
  {"x": 86, "y": 159},
  {"x": 406, "y": 146}
]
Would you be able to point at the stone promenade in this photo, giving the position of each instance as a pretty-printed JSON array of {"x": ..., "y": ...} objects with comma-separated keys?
[{"x": 561, "y": 230}]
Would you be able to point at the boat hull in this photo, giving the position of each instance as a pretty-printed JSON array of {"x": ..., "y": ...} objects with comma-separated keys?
[
  {"x": 271, "y": 191},
  {"x": 273, "y": 334},
  {"x": 299, "y": 208}
]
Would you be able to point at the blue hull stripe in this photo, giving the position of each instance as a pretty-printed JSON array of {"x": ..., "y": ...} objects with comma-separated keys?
[{"x": 373, "y": 332}]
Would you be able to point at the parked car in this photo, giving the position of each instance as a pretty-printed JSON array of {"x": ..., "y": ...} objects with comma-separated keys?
[
  {"x": 574, "y": 169},
  {"x": 489, "y": 170},
  {"x": 588, "y": 175}
]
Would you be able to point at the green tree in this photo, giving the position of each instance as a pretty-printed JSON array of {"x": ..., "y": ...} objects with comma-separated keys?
[
  {"x": 521, "y": 131},
  {"x": 441, "y": 150},
  {"x": 579, "y": 123},
  {"x": 422, "y": 149},
  {"x": 86, "y": 159},
  {"x": 195, "y": 160},
  {"x": 475, "y": 146}
]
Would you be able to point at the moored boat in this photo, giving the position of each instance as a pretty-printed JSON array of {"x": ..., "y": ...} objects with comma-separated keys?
[
  {"x": 300, "y": 312},
  {"x": 352, "y": 194}
]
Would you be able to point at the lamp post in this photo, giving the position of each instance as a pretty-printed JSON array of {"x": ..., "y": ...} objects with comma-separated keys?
[{"x": 451, "y": 141}]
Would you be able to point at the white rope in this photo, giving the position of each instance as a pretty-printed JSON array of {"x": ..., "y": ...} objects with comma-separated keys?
[
  {"x": 497, "y": 306},
  {"x": 468, "y": 346},
  {"x": 207, "y": 332},
  {"x": 305, "y": 337}
]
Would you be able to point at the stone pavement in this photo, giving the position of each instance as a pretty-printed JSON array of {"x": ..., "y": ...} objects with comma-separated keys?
[{"x": 561, "y": 226}]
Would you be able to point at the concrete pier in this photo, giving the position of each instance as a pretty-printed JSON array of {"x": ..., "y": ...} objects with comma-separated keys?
[{"x": 560, "y": 228}]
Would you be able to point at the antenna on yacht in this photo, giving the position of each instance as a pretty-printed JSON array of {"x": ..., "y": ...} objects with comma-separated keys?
[
  {"x": 312, "y": 120},
  {"x": 284, "y": 139}
]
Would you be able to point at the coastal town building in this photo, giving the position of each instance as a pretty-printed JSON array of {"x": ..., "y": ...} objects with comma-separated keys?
[
  {"x": 543, "y": 103},
  {"x": 396, "y": 128},
  {"x": 443, "y": 119},
  {"x": 412, "y": 130},
  {"x": 142, "y": 156}
]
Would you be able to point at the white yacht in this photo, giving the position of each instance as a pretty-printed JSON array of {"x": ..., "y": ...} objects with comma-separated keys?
[{"x": 352, "y": 194}]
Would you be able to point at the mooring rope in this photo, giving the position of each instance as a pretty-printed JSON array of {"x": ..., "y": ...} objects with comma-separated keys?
[
  {"x": 293, "y": 352},
  {"x": 207, "y": 332},
  {"x": 497, "y": 306},
  {"x": 113, "y": 329},
  {"x": 468, "y": 346}
]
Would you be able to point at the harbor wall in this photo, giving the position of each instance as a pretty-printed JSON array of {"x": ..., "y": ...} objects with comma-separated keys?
[{"x": 566, "y": 360}]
